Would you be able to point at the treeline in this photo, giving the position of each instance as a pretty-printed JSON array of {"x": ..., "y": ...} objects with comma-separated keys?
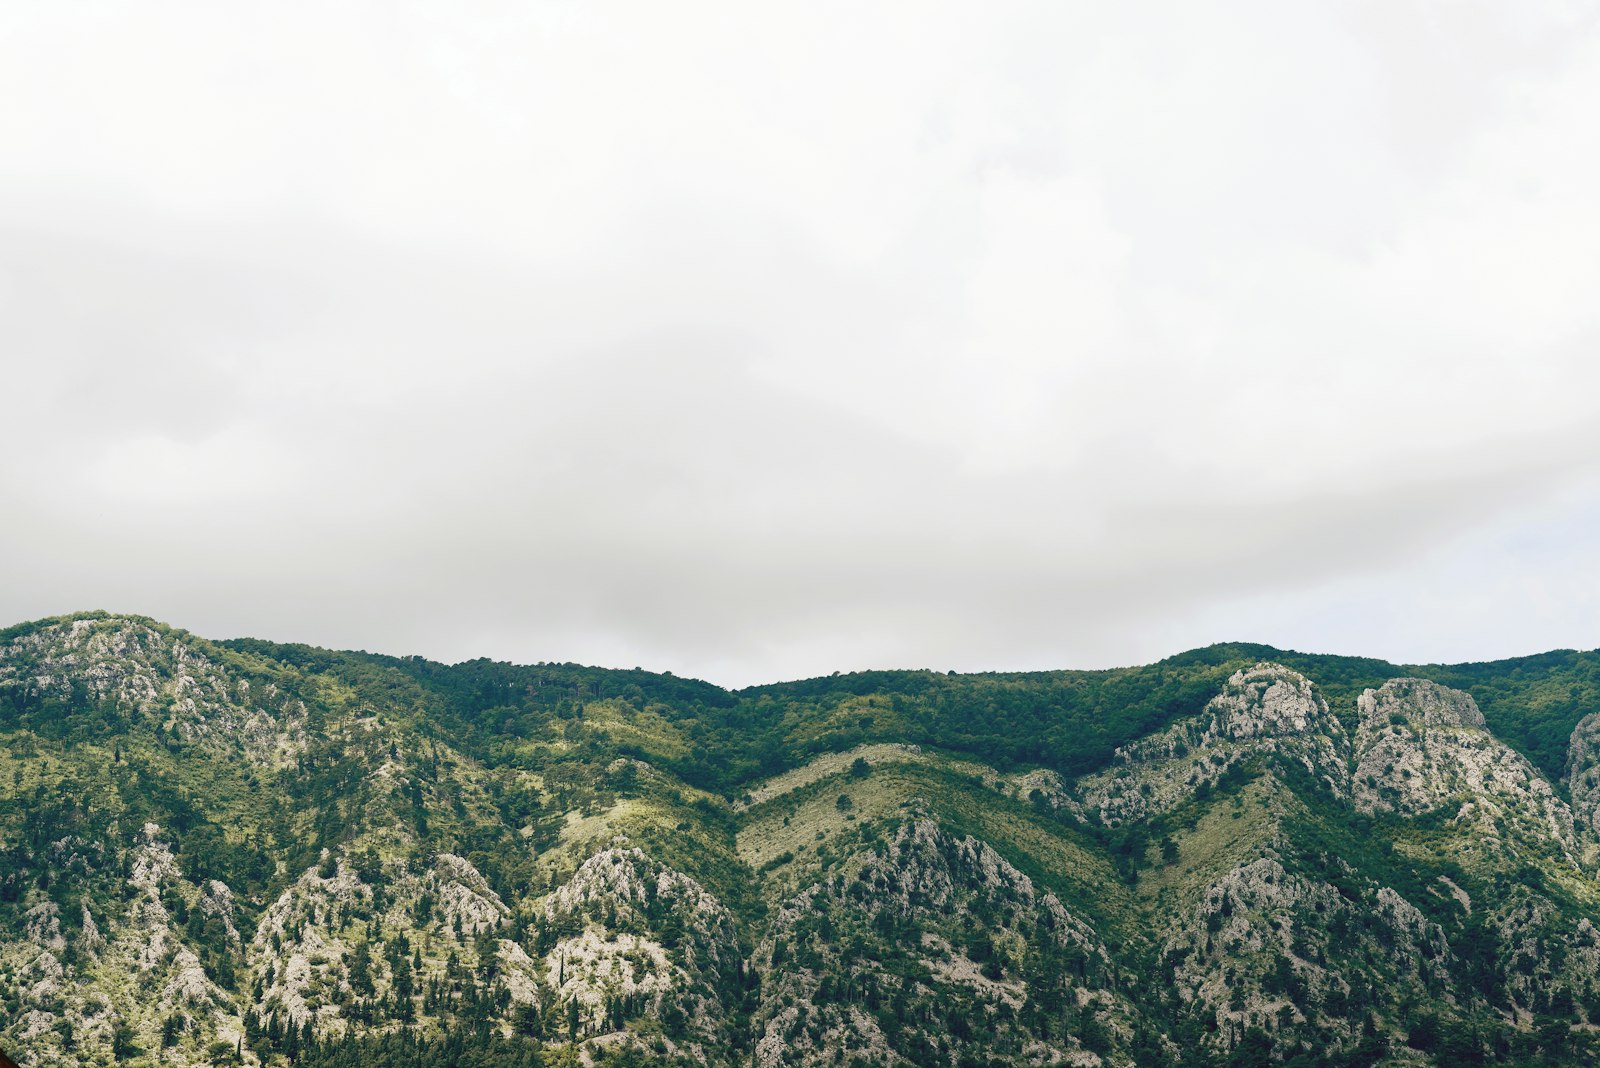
[
  {"x": 1069, "y": 720},
  {"x": 1072, "y": 721}
]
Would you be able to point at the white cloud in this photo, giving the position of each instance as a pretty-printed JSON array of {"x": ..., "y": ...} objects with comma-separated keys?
[{"x": 752, "y": 342}]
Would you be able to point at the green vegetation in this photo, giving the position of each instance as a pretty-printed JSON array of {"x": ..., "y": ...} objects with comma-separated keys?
[{"x": 358, "y": 859}]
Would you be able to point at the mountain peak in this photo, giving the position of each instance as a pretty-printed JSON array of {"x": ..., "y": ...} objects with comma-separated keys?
[
  {"x": 1264, "y": 701},
  {"x": 1420, "y": 702}
]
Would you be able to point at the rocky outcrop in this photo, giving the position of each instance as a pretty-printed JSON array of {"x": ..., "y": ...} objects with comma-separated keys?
[
  {"x": 1267, "y": 701},
  {"x": 840, "y": 947},
  {"x": 217, "y": 900},
  {"x": 123, "y": 966},
  {"x": 630, "y": 937},
  {"x": 1423, "y": 748},
  {"x": 520, "y": 975},
  {"x": 158, "y": 676},
  {"x": 465, "y": 901},
  {"x": 1267, "y": 711},
  {"x": 42, "y": 926},
  {"x": 496, "y": 857},
  {"x": 1583, "y": 774},
  {"x": 305, "y": 948},
  {"x": 299, "y": 943},
  {"x": 1545, "y": 961},
  {"x": 1421, "y": 703},
  {"x": 1276, "y": 951}
]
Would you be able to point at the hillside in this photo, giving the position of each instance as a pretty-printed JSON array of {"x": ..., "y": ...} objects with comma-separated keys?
[{"x": 241, "y": 852}]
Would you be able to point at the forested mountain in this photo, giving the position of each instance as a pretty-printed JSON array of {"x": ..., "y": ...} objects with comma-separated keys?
[{"x": 240, "y": 852}]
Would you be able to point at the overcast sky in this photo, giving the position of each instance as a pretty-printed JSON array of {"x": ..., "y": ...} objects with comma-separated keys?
[{"x": 755, "y": 341}]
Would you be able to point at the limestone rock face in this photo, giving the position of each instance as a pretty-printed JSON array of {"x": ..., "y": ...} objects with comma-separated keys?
[
  {"x": 633, "y": 936},
  {"x": 299, "y": 942},
  {"x": 413, "y": 921},
  {"x": 42, "y": 925},
  {"x": 1267, "y": 710},
  {"x": 217, "y": 900},
  {"x": 928, "y": 881},
  {"x": 1421, "y": 702},
  {"x": 1542, "y": 956},
  {"x": 92, "y": 939},
  {"x": 1268, "y": 701},
  {"x": 1282, "y": 952},
  {"x": 465, "y": 899},
  {"x": 124, "y": 965},
  {"x": 520, "y": 974},
  {"x": 1583, "y": 773},
  {"x": 160, "y": 677},
  {"x": 1422, "y": 748}
]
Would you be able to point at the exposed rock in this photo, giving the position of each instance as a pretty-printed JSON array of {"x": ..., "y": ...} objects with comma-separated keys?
[
  {"x": 91, "y": 939},
  {"x": 640, "y": 931},
  {"x": 1583, "y": 774},
  {"x": 291, "y": 935},
  {"x": 1541, "y": 955},
  {"x": 622, "y": 888},
  {"x": 1311, "y": 915},
  {"x": 1420, "y": 702},
  {"x": 1269, "y": 949},
  {"x": 157, "y": 675},
  {"x": 190, "y": 987},
  {"x": 217, "y": 900},
  {"x": 1422, "y": 747},
  {"x": 153, "y": 863},
  {"x": 929, "y": 881},
  {"x": 466, "y": 901},
  {"x": 1267, "y": 701},
  {"x": 593, "y": 968},
  {"x": 42, "y": 925},
  {"x": 520, "y": 974},
  {"x": 1266, "y": 711}
]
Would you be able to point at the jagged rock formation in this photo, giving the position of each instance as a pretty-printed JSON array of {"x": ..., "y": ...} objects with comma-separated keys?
[
  {"x": 1422, "y": 748},
  {"x": 1583, "y": 773},
  {"x": 627, "y": 936},
  {"x": 994, "y": 950},
  {"x": 135, "y": 670},
  {"x": 1267, "y": 711},
  {"x": 1267, "y": 949}
]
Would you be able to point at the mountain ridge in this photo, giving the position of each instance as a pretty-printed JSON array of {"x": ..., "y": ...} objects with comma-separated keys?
[{"x": 248, "y": 852}]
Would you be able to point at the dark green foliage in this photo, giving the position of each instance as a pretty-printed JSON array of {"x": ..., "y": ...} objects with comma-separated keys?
[
  {"x": 405, "y": 1049},
  {"x": 1068, "y": 720},
  {"x": 1532, "y": 702}
]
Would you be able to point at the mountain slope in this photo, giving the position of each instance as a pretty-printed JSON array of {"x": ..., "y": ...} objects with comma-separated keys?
[{"x": 242, "y": 852}]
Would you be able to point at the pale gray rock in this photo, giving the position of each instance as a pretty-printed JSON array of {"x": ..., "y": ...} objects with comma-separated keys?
[
  {"x": 159, "y": 676},
  {"x": 1267, "y": 710},
  {"x": 1583, "y": 774},
  {"x": 42, "y": 926},
  {"x": 1541, "y": 953},
  {"x": 1422, "y": 748},
  {"x": 217, "y": 900},
  {"x": 1261, "y": 931},
  {"x": 610, "y": 910},
  {"x": 924, "y": 879}
]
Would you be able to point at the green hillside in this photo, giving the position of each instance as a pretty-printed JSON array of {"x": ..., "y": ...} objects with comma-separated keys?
[{"x": 248, "y": 852}]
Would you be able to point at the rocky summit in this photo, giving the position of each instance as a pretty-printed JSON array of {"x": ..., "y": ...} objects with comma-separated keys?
[{"x": 240, "y": 852}]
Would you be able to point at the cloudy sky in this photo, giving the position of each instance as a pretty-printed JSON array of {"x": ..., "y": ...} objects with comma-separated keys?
[{"x": 754, "y": 341}]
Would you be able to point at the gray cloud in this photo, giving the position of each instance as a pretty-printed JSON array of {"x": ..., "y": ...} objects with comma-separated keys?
[{"x": 754, "y": 345}]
